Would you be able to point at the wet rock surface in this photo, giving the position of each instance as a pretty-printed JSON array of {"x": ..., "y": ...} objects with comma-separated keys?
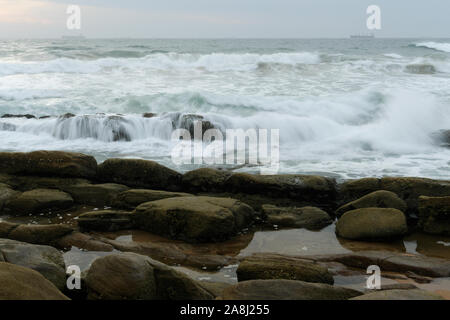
[
  {"x": 139, "y": 277},
  {"x": 434, "y": 214},
  {"x": 273, "y": 266},
  {"x": 286, "y": 290},
  {"x": 38, "y": 200},
  {"x": 51, "y": 163},
  {"x": 194, "y": 219},
  {"x": 132, "y": 198},
  {"x": 19, "y": 283},
  {"x": 415, "y": 294},
  {"x": 139, "y": 173},
  {"x": 306, "y": 217},
  {"x": 377, "y": 199},
  {"x": 46, "y": 260},
  {"x": 372, "y": 224}
]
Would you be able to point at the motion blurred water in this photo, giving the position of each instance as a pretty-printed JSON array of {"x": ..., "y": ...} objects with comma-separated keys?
[{"x": 345, "y": 108}]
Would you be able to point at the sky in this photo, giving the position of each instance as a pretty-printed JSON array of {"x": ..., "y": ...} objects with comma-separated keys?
[{"x": 223, "y": 18}]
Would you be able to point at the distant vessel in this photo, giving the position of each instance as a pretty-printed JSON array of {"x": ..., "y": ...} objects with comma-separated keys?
[
  {"x": 362, "y": 36},
  {"x": 79, "y": 37}
]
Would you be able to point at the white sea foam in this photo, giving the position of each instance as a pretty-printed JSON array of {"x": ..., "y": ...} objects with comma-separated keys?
[
  {"x": 440, "y": 46},
  {"x": 210, "y": 62}
]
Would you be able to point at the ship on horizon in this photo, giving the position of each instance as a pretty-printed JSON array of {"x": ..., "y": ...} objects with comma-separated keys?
[
  {"x": 73, "y": 37},
  {"x": 362, "y": 36}
]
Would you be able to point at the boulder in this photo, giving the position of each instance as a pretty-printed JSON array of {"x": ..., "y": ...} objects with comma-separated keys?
[
  {"x": 19, "y": 283},
  {"x": 408, "y": 189},
  {"x": 27, "y": 116},
  {"x": 52, "y": 163},
  {"x": 189, "y": 121},
  {"x": 286, "y": 290},
  {"x": 105, "y": 220},
  {"x": 38, "y": 234},
  {"x": 414, "y": 294},
  {"x": 6, "y": 195},
  {"x": 84, "y": 242},
  {"x": 273, "y": 266},
  {"x": 377, "y": 199},
  {"x": 129, "y": 276},
  {"x": 6, "y": 228},
  {"x": 132, "y": 198},
  {"x": 434, "y": 215},
  {"x": 121, "y": 277},
  {"x": 421, "y": 69},
  {"x": 38, "y": 200},
  {"x": 391, "y": 261},
  {"x": 95, "y": 194},
  {"x": 306, "y": 217},
  {"x": 311, "y": 189},
  {"x": 205, "y": 180},
  {"x": 372, "y": 224},
  {"x": 441, "y": 137},
  {"x": 27, "y": 183},
  {"x": 194, "y": 219},
  {"x": 44, "y": 259},
  {"x": 139, "y": 174}
]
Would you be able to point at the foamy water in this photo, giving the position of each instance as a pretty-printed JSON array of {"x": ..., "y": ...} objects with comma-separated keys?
[{"x": 345, "y": 108}]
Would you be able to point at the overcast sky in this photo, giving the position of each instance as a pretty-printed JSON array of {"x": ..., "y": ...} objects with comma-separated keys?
[{"x": 224, "y": 18}]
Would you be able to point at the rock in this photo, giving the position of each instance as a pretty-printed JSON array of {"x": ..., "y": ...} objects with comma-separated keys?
[
  {"x": 27, "y": 116},
  {"x": 372, "y": 224},
  {"x": 417, "y": 278},
  {"x": 6, "y": 228},
  {"x": 95, "y": 194},
  {"x": 286, "y": 290},
  {"x": 38, "y": 200},
  {"x": 205, "y": 180},
  {"x": 189, "y": 121},
  {"x": 121, "y": 277},
  {"x": 214, "y": 288},
  {"x": 105, "y": 220},
  {"x": 377, "y": 199},
  {"x": 397, "y": 286},
  {"x": 19, "y": 283},
  {"x": 441, "y": 137},
  {"x": 84, "y": 242},
  {"x": 132, "y": 198},
  {"x": 194, "y": 219},
  {"x": 6, "y": 195},
  {"x": 273, "y": 266},
  {"x": 38, "y": 234},
  {"x": 44, "y": 259},
  {"x": 67, "y": 116},
  {"x": 176, "y": 254},
  {"x": 415, "y": 294},
  {"x": 434, "y": 215},
  {"x": 149, "y": 115},
  {"x": 311, "y": 189},
  {"x": 408, "y": 189},
  {"x": 52, "y": 163},
  {"x": 421, "y": 69},
  {"x": 27, "y": 183},
  {"x": 391, "y": 261},
  {"x": 138, "y": 277},
  {"x": 306, "y": 217},
  {"x": 139, "y": 174}
]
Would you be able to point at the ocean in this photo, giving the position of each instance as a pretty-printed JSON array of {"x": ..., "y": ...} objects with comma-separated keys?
[{"x": 346, "y": 108}]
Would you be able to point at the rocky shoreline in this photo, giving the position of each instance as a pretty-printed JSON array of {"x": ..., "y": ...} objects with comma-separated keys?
[{"x": 52, "y": 202}]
